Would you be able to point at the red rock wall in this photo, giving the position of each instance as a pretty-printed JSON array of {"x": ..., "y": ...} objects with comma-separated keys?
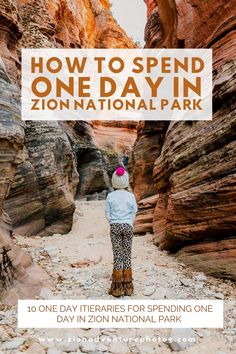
[
  {"x": 144, "y": 153},
  {"x": 194, "y": 169},
  {"x": 47, "y": 179},
  {"x": 70, "y": 24},
  {"x": 147, "y": 147},
  {"x": 38, "y": 172},
  {"x": 19, "y": 276},
  {"x": 115, "y": 136}
]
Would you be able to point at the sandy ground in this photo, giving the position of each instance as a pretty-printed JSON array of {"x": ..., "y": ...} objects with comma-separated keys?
[{"x": 156, "y": 274}]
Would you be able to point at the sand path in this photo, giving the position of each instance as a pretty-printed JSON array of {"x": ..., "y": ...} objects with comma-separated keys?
[{"x": 157, "y": 275}]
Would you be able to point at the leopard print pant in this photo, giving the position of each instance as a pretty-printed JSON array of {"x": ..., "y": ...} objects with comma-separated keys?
[{"x": 121, "y": 239}]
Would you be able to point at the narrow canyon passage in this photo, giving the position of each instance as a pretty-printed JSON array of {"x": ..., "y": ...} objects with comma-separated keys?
[
  {"x": 157, "y": 275},
  {"x": 182, "y": 174}
]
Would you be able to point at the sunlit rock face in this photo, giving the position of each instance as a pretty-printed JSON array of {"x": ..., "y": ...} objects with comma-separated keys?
[
  {"x": 10, "y": 34},
  {"x": 70, "y": 24},
  {"x": 115, "y": 135},
  {"x": 194, "y": 170}
]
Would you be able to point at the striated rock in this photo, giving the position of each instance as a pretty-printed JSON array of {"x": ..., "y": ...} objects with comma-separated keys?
[
  {"x": 71, "y": 24},
  {"x": 19, "y": 276},
  {"x": 48, "y": 178},
  {"x": 151, "y": 6},
  {"x": 213, "y": 26},
  {"x": 198, "y": 256},
  {"x": 160, "y": 217},
  {"x": 146, "y": 148},
  {"x": 198, "y": 184},
  {"x": 109, "y": 33},
  {"x": 41, "y": 199},
  {"x": 67, "y": 24},
  {"x": 92, "y": 167},
  {"x": 115, "y": 136},
  {"x": 152, "y": 32},
  {"x": 10, "y": 33},
  {"x": 96, "y": 167},
  {"x": 45, "y": 185},
  {"x": 113, "y": 141},
  {"x": 144, "y": 218},
  {"x": 192, "y": 24},
  {"x": 161, "y": 26},
  {"x": 24, "y": 204},
  {"x": 194, "y": 168}
]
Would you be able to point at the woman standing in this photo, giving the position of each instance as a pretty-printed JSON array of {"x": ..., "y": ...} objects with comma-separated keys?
[{"x": 121, "y": 208}]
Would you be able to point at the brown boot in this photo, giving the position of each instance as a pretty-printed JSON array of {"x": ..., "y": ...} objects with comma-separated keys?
[
  {"x": 128, "y": 284},
  {"x": 117, "y": 288}
]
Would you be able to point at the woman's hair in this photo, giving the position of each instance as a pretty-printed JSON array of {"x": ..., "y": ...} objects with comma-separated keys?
[{"x": 126, "y": 189}]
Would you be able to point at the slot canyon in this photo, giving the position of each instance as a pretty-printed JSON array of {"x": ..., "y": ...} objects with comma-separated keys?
[{"x": 183, "y": 173}]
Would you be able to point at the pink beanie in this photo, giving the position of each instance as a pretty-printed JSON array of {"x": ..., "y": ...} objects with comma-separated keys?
[{"x": 120, "y": 178}]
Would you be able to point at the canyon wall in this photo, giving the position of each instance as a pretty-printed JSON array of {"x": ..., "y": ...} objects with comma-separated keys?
[
  {"x": 115, "y": 135},
  {"x": 20, "y": 277},
  {"x": 113, "y": 142},
  {"x": 47, "y": 180},
  {"x": 39, "y": 161},
  {"x": 193, "y": 170},
  {"x": 145, "y": 151}
]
